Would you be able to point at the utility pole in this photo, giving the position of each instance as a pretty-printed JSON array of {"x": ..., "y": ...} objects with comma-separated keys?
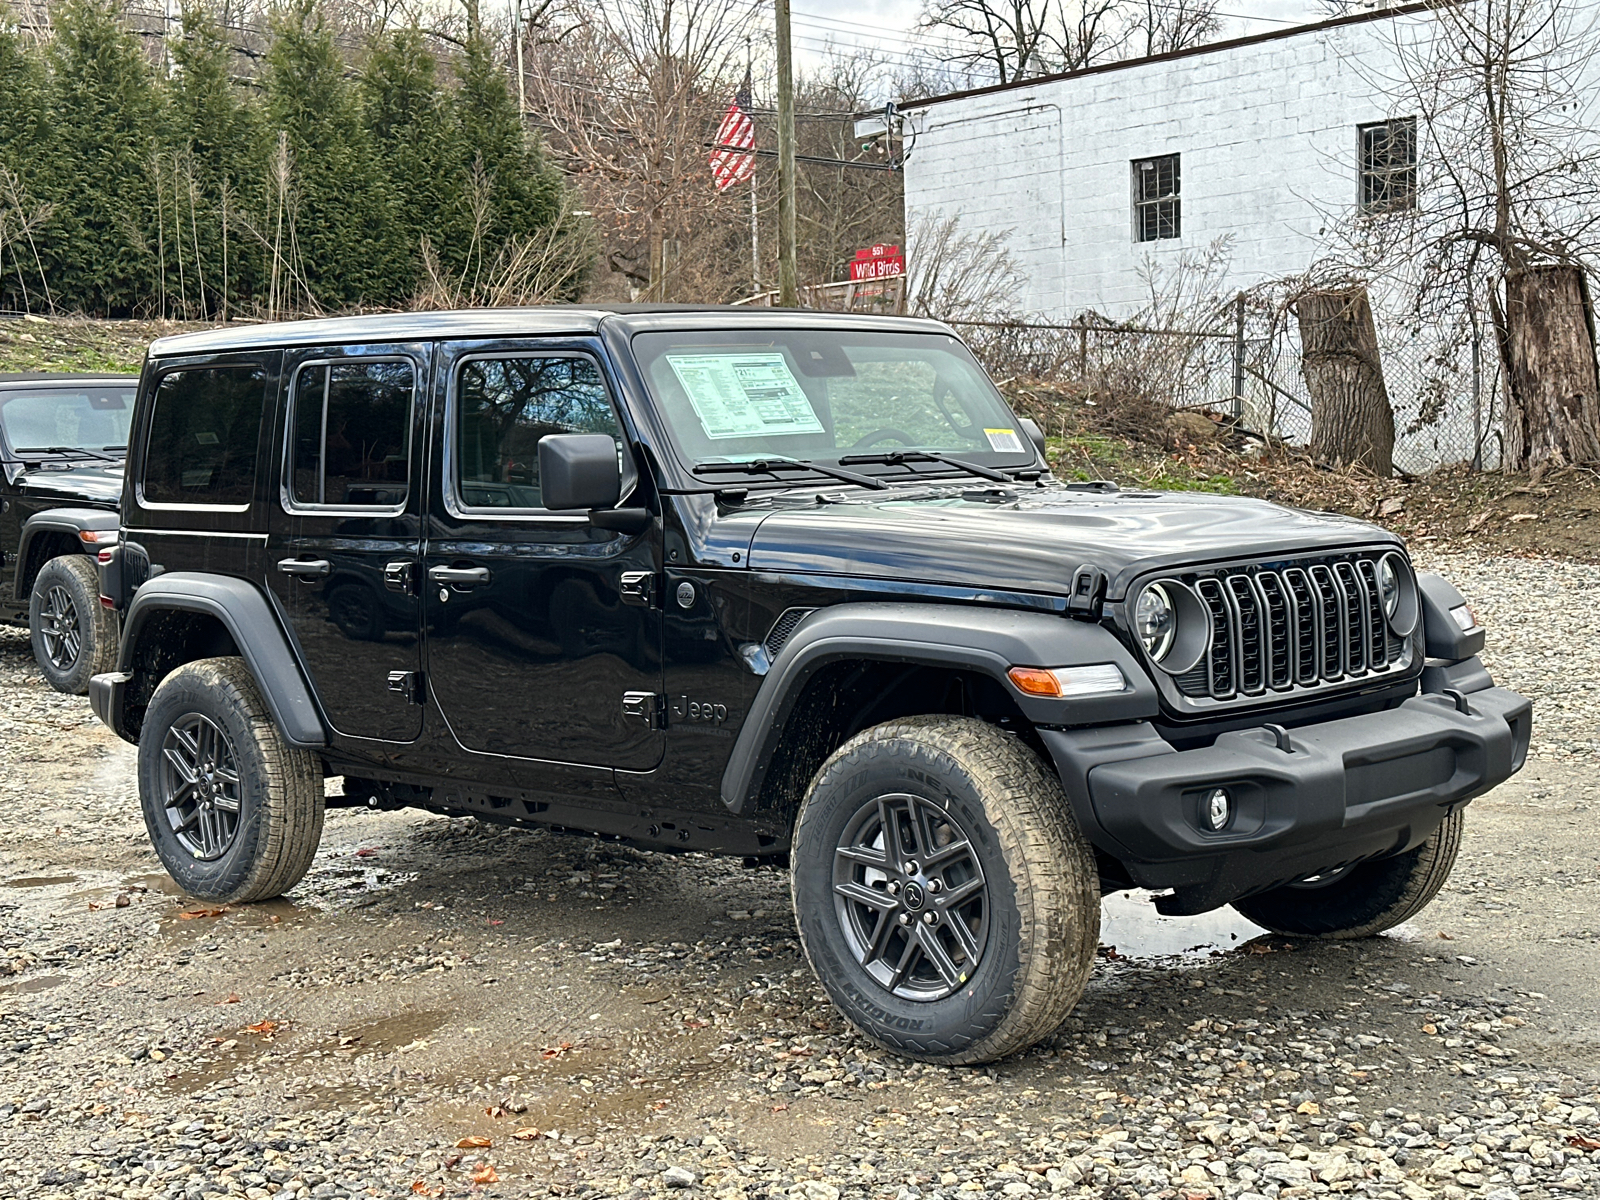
[{"x": 788, "y": 280}]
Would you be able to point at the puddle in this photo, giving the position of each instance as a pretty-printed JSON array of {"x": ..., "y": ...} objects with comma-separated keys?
[
  {"x": 1130, "y": 923},
  {"x": 39, "y": 881},
  {"x": 39, "y": 983},
  {"x": 385, "y": 1033}
]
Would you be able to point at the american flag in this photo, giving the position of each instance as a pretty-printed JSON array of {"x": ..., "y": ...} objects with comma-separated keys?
[{"x": 736, "y": 133}]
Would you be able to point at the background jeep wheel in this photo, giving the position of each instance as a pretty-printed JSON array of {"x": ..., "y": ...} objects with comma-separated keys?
[
  {"x": 73, "y": 637},
  {"x": 1365, "y": 899},
  {"x": 234, "y": 813},
  {"x": 945, "y": 895}
]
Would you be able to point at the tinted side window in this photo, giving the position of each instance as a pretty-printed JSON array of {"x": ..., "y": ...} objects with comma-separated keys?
[
  {"x": 504, "y": 406},
  {"x": 203, "y": 436},
  {"x": 352, "y": 426}
]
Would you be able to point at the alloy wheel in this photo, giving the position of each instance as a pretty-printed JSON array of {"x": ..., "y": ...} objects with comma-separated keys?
[
  {"x": 910, "y": 897},
  {"x": 58, "y": 626},
  {"x": 200, "y": 786}
]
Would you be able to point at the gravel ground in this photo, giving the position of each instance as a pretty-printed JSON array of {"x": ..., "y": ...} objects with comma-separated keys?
[{"x": 448, "y": 1009}]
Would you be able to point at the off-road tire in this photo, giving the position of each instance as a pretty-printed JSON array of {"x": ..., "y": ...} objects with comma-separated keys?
[
  {"x": 1043, "y": 894},
  {"x": 280, "y": 797},
  {"x": 75, "y": 577},
  {"x": 1368, "y": 899}
]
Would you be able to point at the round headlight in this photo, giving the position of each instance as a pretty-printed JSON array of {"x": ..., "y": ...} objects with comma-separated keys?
[
  {"x": 1155, "y": 621},
  {"x": 1388, "y": 586}
]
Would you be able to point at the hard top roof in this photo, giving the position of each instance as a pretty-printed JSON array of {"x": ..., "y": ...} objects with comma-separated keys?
[
  {"x": 64, "y": 377},
  {"x": 517, "y": 322}
]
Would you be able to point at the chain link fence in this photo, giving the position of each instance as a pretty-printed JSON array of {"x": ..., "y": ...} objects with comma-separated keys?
[{"x": 1445, "y": 402}]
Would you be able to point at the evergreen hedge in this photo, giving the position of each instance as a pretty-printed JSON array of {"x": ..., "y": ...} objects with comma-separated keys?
[{"x": 129, "y": 191}]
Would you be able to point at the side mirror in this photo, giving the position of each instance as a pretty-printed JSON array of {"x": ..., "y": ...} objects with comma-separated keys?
[
  {"x": 579, "y": 471},
  {"x": 1035, "y": 434}
]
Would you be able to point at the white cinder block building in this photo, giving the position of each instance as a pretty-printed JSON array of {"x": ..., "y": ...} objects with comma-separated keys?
[{"x": 1098, "y": 173}]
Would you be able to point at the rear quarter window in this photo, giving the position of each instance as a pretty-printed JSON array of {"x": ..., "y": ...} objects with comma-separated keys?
[{"x": 205, "y": 428}]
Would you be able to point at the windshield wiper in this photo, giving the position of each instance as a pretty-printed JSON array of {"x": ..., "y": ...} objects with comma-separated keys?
[
  {"x": 772, "y": 464},
  {"x": 66, "y": 450},
  {"x": 892, "y": 458}
]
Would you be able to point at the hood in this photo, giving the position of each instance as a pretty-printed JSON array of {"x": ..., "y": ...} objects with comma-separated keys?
[
  {"x": 96, "y": 483},
  {"x": 1034, "y": 541}
]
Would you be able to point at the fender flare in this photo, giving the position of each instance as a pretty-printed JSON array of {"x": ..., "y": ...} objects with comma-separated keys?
[
  {"x": 249, "y": 620},
  {"x": 71, "y": 521},
  {"x": 988, "y": 641}
]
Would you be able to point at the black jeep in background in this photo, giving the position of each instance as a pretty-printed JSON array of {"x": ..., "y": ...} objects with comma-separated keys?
[
  {"x": 784, "y": 585},
  {"x": 62, "y": 442}
]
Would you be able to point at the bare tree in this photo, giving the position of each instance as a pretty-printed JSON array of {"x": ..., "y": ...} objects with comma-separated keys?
[
  {"x": 1002, "y": 41},
  {"x": 998, "y": 38},
  {"x": 1164, "y": 26},
  {"x": 629, "y": 98},
  {"x": 957, "y": 275},
  {"x": 1499, "y": 207}
]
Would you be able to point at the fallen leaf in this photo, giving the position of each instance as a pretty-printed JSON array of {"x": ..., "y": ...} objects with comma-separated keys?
[
  {"x": 451, "y": 1161},
  {"x": 485, "y": 1174},
  {"x": 232, "y": 998},
  {"x": 474, "y": 1141},
  {"x": 93, "y": 907},
  {"x": 365, "y": 852},
  {"x": 264, "y": 1028},
  {"x": 780, "y": 1108},
  {"x": 495, "y": 1111},
  {"x": 190, "y": 914},
  {"x": 529, "y": 1134},
  {"x": 1449, "y": 937},
  {"x": 1579, "y": 1142},
  {"x": 421, "y": 1188}
]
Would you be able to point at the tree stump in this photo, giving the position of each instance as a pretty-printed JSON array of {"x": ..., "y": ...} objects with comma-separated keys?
[
  {"x": 1547, "y": 342},
  {"x": 1351, "y": 421}
]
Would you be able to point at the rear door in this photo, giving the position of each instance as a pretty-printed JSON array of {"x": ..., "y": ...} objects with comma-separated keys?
[
  {"x": 536, "y": 648},
  {"x": 344, "y": 537}
]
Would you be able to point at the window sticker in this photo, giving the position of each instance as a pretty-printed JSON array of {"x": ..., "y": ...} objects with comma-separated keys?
[
  {"x": 1004, "y": 441},
  {"x": 744, "y": 395}
]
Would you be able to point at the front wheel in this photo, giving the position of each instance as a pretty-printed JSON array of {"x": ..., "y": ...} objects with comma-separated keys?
[
  {"x": 945, "y": 896},
  {"x": 1365, "y": 899},
  {"x": 234, "y": 813},
  {"x": 73, "y": 637}
]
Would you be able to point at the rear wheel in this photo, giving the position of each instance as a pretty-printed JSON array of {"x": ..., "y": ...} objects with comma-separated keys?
[
  {"x": 1365, "y": 899},
  {"x": 234, "y": 813},
  {"x": 73, "y": 636},
  {"x": 945, "y": 895}
]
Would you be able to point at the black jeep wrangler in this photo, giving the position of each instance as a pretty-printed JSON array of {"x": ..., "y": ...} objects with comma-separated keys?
[
  {"x": 62, "y": 442},
  {"x": 774, "y": 584}
]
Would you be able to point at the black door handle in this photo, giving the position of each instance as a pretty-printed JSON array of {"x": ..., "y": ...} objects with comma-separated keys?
[
  {"x": 462, "y": 577},
  {"x": 305, "y": 568}
]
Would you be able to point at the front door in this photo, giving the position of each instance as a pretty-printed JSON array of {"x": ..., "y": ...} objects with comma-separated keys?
[
  {"x": 534, "y": 651},
  {"x": 344, "y": 539}
]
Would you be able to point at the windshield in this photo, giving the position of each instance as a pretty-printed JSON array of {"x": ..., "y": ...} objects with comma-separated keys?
[
  {"x": 62, "y": 420},
  {"x": 828, "y": 395}
]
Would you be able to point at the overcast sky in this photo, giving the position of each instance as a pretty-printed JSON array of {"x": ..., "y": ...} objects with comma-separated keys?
[{"x": 887, "y": 25}]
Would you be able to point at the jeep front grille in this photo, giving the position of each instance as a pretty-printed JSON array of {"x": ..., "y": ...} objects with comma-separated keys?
[{"x": 1314, "y": 624}]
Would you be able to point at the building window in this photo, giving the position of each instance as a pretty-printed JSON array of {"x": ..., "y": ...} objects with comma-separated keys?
[
  {"x": 1388, "y": 173},
  {"x": 1155, "y": 198}
]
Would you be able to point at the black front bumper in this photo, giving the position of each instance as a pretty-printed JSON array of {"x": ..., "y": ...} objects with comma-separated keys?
[{"x": 1344, "y": 791}]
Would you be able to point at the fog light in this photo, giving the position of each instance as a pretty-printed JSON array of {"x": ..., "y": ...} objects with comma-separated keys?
[{"x": 1218, "y": 809}]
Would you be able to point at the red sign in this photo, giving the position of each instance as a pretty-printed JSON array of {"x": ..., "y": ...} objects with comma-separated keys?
[{"x": 877, "y": 262}]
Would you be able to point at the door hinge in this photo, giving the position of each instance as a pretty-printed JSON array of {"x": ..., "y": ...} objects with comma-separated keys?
[
  {"x": 408, "y": 684},
  {"x": 401, "y": 577},
  {"x": 1088, "y": 599},
  {"x": 648, "y": 707},
  {"x": 642, "y": 588}
]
